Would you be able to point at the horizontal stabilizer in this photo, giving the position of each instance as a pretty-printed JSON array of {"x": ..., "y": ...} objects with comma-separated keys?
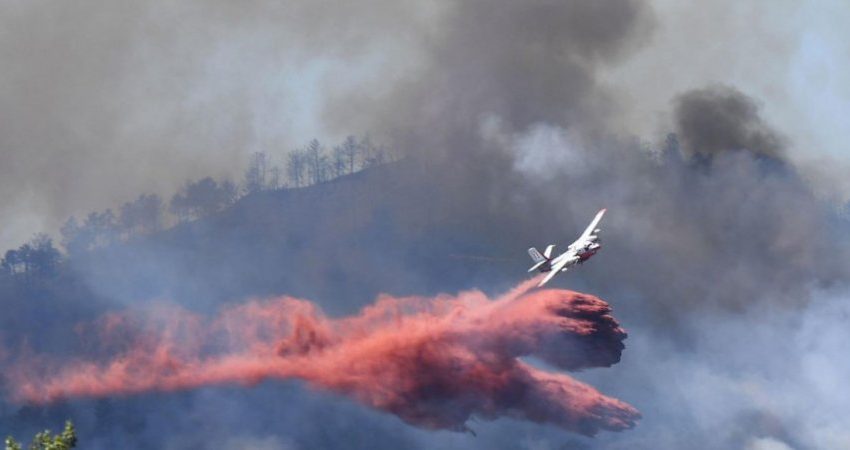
[
  {"x": 559, "y": 266},
  {"x": 537, "y": 266}
]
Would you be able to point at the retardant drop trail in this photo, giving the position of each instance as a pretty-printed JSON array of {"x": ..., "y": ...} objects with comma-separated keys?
[{"x": 433, "y": 362}]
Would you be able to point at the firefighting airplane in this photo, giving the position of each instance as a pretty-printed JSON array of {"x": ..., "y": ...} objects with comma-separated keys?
[{"x": 578, "y": 252}]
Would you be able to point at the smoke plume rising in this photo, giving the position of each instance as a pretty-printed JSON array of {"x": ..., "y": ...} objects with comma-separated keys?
[
  {"x": 433, "y": 362},
  {"x": 523, "y": 119},
  {"x": 720, "y": 118}
]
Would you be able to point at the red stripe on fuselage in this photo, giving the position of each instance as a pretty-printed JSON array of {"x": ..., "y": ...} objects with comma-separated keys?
[{"x": 586, "y": 255}]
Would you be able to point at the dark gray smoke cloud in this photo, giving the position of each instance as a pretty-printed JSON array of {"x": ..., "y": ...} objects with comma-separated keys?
[
  {"x": 520, "y": 63},
  {"x": 721, "y": 118},
  {"x": 101, "y": 100},
  {"x": 719, "y": 269}
]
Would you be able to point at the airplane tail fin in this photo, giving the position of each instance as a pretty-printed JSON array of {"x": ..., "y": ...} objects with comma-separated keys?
[
  {"x": 539, "y": 260},
  {"x": 535, "y": 255}
]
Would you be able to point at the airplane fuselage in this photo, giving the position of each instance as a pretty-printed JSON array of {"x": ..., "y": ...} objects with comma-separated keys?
[
  {"x": 577, "y": 253},
  {"x": 588, "y": 250},
  {"x": 582, "y": 257}
]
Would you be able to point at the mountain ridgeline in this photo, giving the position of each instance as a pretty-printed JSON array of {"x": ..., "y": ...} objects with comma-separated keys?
[
  {"x": 340, "y": 242},
  {"x": 413, "y": 226}
]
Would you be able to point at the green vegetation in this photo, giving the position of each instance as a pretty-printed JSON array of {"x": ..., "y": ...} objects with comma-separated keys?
[{"x": 65, "y": 440}]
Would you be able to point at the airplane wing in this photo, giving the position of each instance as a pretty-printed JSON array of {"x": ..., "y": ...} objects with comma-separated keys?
[
  {"x": 589, "y": 230},
  {"x": 557, "y": 267}
]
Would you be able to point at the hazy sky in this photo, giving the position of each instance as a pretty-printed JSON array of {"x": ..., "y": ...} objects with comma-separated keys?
[
  {"x": 524, "y": 117},
  {"x": 789, "y": 55},
  {"x": 101, "y": 101}
]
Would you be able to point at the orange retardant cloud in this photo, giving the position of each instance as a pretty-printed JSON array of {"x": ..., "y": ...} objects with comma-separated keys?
[{"x": 433, "y": 362}]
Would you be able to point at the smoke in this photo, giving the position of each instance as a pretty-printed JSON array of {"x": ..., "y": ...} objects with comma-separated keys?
[
  {"x": 433, "y": 362},
  {"x": 519, "y": 116},
  {"x": 721, "y": 118},
  {"x": 104, "y": 100},
  {"x": 520, "y": 63}
]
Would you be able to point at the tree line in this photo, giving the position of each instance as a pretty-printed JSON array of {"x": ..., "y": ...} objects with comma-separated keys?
[
  {"x": 149, "y": 213},
  {"x": 65, "y": 440}
]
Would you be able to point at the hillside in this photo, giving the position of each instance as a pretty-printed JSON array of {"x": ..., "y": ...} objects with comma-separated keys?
[
  {"x": 340, "y": 243},
  {"x": 411, "y": 228}
]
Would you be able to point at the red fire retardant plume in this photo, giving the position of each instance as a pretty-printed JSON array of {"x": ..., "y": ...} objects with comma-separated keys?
[{"x": 433, "y": 362}]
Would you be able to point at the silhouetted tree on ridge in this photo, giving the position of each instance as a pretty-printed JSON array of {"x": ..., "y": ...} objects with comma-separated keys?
[
  {"x": 295, "y": 163},
  {"x": 316, "y": 162},
  {"x": 255, "y": 176},
  {"x": 202, "y": 198},
  {"x": 146, "y": 214},
  {"x": 36, "y": 258},
  {"x": 143, "y": 215}
]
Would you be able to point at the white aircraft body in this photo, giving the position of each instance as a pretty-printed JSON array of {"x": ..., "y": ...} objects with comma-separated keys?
[{"x": 578, "y": 252}]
